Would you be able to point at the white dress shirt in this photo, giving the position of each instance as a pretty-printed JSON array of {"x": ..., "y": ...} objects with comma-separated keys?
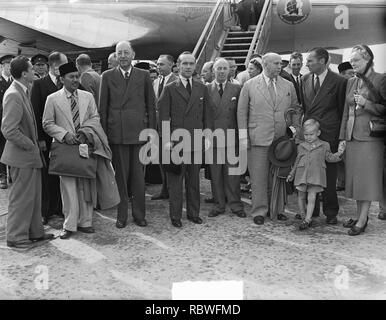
[
  {"x": 185, "y": 81},
  {"x": 123, "y": 71},
  {"x": 322, "y": 76}
]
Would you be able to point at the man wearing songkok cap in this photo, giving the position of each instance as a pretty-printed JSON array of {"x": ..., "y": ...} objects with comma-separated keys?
[{"x": 70, "y": 116}]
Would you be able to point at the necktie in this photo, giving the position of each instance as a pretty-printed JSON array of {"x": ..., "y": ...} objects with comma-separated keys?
[
  {"x": 59, "y": 85},
  {"x": 188, "y": 87},
  {"x": 297, "y": 81},
  {"x": 127, "y": 77},
  {"x": 317, "y": 85},
  {"x": 161, "y": 86},
  {"x": 9, "y": 81},
  {"x": 221, "y": 91},
  {"x": 75, "y": 113},
  {"x": 271, "y": 90}
]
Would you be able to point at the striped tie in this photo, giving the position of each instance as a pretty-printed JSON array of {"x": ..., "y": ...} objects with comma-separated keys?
[{"x": 75, "y": 113}]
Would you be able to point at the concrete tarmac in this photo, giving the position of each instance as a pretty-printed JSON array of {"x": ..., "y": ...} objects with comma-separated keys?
[{"x": 273, "y": 261}]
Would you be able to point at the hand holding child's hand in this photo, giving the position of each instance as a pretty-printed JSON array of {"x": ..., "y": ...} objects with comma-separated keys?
[
  {"x": 289, "y": 178},
  {"x": 342, "y": 147}
]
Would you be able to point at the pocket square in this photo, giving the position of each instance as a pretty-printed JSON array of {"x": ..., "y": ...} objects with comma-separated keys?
[
  {"x": 233, "y": 98},
  {"x": 201, "y": 98}
]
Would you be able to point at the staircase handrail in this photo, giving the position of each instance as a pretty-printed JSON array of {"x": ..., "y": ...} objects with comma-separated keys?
[
  {"x": 208, "y": 29},
  {"x": 256, "y": 36}
]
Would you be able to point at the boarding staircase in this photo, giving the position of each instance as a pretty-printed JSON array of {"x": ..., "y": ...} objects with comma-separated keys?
[{"x": 222, "y": 37}]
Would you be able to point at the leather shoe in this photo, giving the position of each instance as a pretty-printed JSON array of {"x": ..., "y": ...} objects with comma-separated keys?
[
  {"x": 331, "y": 220},
  {"x": 24, "y": 244},
  {"x": 258, "y": 220},
  {"x": 65, "y": 234},
  {"x": 209, "y": 200},
  {"x": 196, "y": 220},
  {"x": 215, "y": 213},
  {"x": 240, "y": 213},
  {"x": 120, "y": 224},
  {"x": 382, "y": 216},
  {"x": 177, "y": 223},
  {"x": 44, "y": 221},
  {"x": 86, "y": 229},
  {"x": 160, "y": 196},
  {"x": 141, "y": 223},
  {"x": 47, "y": 236},
  {"x": 282, "y": 217}
]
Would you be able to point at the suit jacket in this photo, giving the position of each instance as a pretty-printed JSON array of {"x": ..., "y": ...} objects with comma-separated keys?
[
  {"x": 225, "y": 108},
  {"x": 298, "y": 88},
  {"x": 20, "y": 130},
  {"x": 91, "y": 81},
  {"x": 371, "y": 111},
  {"x": 194, "y": 112},
  {"x": 156, "y": 83},
  {"x": 3, "y": 87},
  {"x": 257, "y": 113},
  {"x": 327, "y": 105},
  {"x": 126, "y": 110},
  {"x": 57, "y": 116},
  {"x": 41, "y": 89}
]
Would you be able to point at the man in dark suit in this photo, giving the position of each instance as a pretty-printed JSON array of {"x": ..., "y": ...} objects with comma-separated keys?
[
  {"x": 164, "y": 65},
  {"x": 89, "y": 78},
  {"x": 40, "y": 63},
  {"x": 224, "y": 95},
  {"x": 5, "y": 82},
  {"x": 22, "y": 153},
  {"x": 41, "y": 89},
  {"x": 295, "y": 64},
  {"x": 185, "y": 104},
  {"x": 126, "y": 107},
  {"x": 323, "y": 100}
]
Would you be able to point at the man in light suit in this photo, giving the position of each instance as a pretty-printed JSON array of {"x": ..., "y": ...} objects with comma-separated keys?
[
  {"x": 224, "y": 95},
  {"x": 64, "y": 113},
  {"x": 185, "y": 104},
  {"x": 23, "y": 155},
  {"x": 41, "y": 89},
  {"x": 262, "y": 104},
  {"x": 89, "y": 78},
  {"x": 324, "y": 94},
  {"x": 126, "y": 107},
  {"x": 164, "y": 64},
  {"x": 5, "y": 82}
]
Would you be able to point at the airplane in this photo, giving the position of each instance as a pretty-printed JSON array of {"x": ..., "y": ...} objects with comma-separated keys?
[{"x": 172, "y": 26}]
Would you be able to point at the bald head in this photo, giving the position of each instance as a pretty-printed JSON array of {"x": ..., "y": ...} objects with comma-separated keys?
[
  {"x": 125, "y": 54},
  {"x": 271, "y": 64},
  {"x": 112, "y": 60}
]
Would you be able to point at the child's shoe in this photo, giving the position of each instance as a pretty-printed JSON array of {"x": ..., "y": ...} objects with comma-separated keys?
[{"x": 305, "y": 224}]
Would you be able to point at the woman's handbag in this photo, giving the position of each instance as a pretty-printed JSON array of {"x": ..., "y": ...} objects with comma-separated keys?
[
  {"x": 377, "y": 128},
  {"x": 66, "y": 161}
]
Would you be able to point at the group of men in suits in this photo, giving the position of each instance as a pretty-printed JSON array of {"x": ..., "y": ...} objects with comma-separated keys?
[{"x": 128, "y": 102}]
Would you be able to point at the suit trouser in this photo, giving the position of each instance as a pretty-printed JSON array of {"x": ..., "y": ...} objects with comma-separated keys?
[
  {"x": 225, "y": 185},
  {"x": 77, "y": 212},
  {"x": 51, "y": 194},
  {"x": 382, "y": 203},
  {"x": 261, "y": 181},
  {"x": 191, "y": 173},
  {"x": 24, "y": 218},
  {"x": 129, "y": 175}
]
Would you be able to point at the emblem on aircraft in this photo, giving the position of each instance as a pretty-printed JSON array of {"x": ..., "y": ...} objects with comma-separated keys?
[{"x": 293, "y": 11}]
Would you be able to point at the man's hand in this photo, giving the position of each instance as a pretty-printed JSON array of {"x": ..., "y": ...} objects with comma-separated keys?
[
  {"x": 82, "y": 138},
  {"x": 342, "y": 146},
  {"x": 360, "y": 100},
  {"x": 70, "y": 138},
  {"x": 290, "y": 178},
  {"x": 42, "y": 145}
]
